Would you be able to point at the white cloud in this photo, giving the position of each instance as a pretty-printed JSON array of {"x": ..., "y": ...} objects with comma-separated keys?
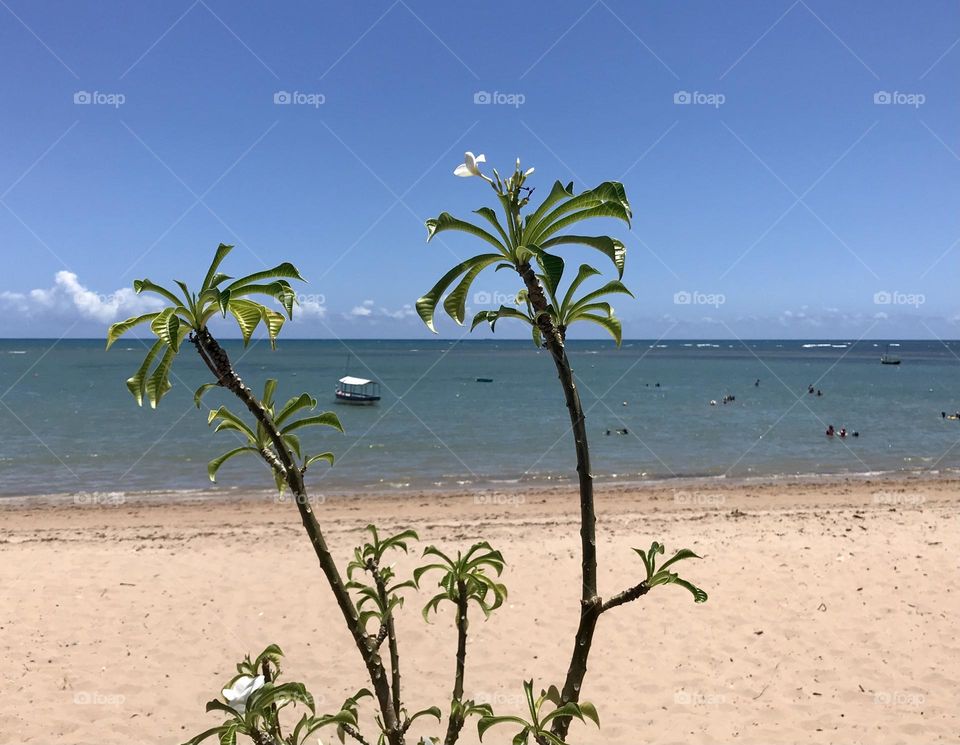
[
  {"x": 363, "y": 311},
  {"x": 370, "y": 310},
  {"x": 310, "y": 306},
  {"x": 406, "y": 311},
  {"x": 68, "y": 296}
]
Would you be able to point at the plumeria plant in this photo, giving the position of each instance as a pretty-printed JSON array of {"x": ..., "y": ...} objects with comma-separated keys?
[
  {"x": 254, "y": 697},
  {"x": 372, "y": 590},
  {"x": 257, "y": 706},
  {"x": 472, "y": 576},
  {"x": 538, "y": 726},
  {"x": 526, "y": 242}
]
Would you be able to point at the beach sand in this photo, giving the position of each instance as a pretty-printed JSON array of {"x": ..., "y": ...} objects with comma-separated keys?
[{"x": 832, "y": 614}]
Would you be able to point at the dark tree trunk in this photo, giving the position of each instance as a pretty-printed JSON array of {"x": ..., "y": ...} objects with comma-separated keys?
[{"x": 219, "y": 363}]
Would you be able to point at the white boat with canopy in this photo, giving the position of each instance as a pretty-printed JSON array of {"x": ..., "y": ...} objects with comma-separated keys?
[{"x": 351, "y": 390}]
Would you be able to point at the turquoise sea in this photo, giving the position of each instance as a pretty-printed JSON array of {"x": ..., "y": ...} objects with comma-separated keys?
[{"x": 70, "y": 426}]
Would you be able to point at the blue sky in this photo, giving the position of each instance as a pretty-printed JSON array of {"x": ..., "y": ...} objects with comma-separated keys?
[{"x": 808, "y": 189}]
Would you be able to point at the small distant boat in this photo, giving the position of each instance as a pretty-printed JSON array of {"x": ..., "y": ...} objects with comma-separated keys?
[
  {"x": 358, "y": 391},
  {"x": 484, "y": 380},
  {"x": 889, "y": 359}
]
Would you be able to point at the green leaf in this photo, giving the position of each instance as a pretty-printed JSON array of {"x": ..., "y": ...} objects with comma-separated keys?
[
  {"x": 159, "y": 384},
  {"x": 557, "y": 193},
  {"x": 274, "y": 322},
  {"x": 271, "y": 652},
  {"x": 603, "y": 308},
  {"x": 480, "y": 317},
  {"x": 567, "y": 710},
  {"x": 204, "y": 735},
  {"x": 166, "y": 326},
  {"x": 456, "y": 301},
  {"x": 185, "y": 290},
  {"x": 590, "y": 712},
  {"x": 216, "y": 705},
  {"x": 284, "y": 270},
  {"x": 218, "y": 257},
  {"x": 486, "y": 723},
  {"x": 280, "y": 479},
  {"x": 606, "y": 209},
  {"x": 699, "y": 596},
  {"x": 279, "y": 290},
  {"x": 223, "y": 301},
  {"x": 321, "y": 456},
  {"x": 683, "y": 553},
  {"x": 137, "y": 385},
  {"x": 427, "y": 304},
  {"x": 198, "y": 394},
  {"x": 609, "y": 199},
  {"x": 552, "y": 269},
  {"x": 214, "y": 465},
  {"x": 119, "y": 329},
  {"x": 610, "y": 288},
  {"x": 295, "y": 404},
  {"x": 327, "y": 419},
  {"x": 646, "y": 563},
  {"x": 145, "y": 285},
  {"x": 610, "y": 323},
  {"x": 531, "y": 705},
  {"x": 228, "y": 416},
  {"x": 268, "y": 390},
  {"x": 433, "y": 711},
  {"x": 492, "y": 316},
  {"x": 293, "y": 442},
  {"x": 229, "y": 735},
  {"x": 585, "y": 272},
  {"x": 609, "y": 247},
  {"x": 490, "y": 216},
  {"x": 218, "y": 278},
  {"x": 248, "y": 317},
  {"x": 446, "y": 221}
]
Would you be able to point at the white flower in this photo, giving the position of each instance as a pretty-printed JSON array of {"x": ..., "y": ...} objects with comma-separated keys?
[
  {"x": 469, "y": 166},
  {"x": 242, "y": 688},
  {"x": 528, "y": 172}
]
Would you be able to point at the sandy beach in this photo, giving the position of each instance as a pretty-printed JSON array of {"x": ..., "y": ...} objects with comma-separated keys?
[{"x": 831, "y": 617}]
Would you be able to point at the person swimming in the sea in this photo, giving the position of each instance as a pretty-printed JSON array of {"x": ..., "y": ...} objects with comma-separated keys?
[{"x": 830, "y": 431}]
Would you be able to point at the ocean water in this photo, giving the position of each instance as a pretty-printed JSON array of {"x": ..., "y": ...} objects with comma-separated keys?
[{"x": 70, "y": 427}]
